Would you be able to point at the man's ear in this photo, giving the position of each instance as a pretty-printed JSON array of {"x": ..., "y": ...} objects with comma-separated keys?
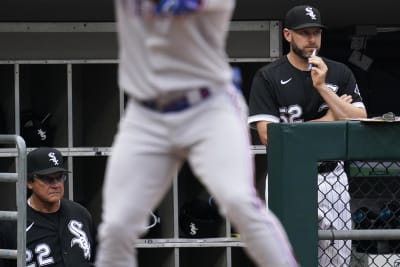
[
  {"x": 286, "y": 34},
  {"x": 29, "y": 184}
]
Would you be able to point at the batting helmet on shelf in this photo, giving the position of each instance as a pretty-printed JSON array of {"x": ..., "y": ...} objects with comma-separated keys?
[
  {"x": 199, "y": 218},
  {"x": 364, "y": 218},
  {"x": 34, "y": 130},
  {"x": 389, "y": 218},
  {"x": 153, "y": 226}
]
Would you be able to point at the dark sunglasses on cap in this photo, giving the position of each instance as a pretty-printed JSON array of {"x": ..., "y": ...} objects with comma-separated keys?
[{"x": 47, "y": 179}]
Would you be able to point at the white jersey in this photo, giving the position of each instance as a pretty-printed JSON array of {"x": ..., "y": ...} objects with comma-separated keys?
[{"x": 156, "y": 58}]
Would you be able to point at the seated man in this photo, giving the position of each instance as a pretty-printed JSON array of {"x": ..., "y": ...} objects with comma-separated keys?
[{"x": 59, "y": 231}]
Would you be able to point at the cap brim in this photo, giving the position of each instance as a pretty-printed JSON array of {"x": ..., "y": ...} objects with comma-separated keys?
[
  {"x": 308, "y": 25},
  {"x": 50, "y": 170}
]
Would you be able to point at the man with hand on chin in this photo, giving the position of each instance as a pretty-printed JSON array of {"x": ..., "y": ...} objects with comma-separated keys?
[{"x": 303, "y": 86}]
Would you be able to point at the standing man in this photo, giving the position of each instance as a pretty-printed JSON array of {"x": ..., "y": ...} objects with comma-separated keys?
[
  {"x": 303, "y": 86},
  {"x": 182, "y": 106},
  {"x": 59, "y": 232}
]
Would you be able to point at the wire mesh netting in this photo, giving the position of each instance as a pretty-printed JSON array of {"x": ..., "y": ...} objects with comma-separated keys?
[{"x": 359, "y": 195}]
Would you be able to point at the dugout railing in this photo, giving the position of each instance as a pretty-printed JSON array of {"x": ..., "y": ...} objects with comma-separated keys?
[
  {"x": 293, "y": 153},
  {"x": 18, "y": 177}
]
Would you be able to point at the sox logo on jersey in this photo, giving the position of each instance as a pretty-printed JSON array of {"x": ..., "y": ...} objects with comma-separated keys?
[
  {"x": 333, "y": 87},
  {"x": 81, "y": 239}
]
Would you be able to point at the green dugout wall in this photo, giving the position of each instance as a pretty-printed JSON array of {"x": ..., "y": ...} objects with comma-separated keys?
[{"x": 293, "y": 152}]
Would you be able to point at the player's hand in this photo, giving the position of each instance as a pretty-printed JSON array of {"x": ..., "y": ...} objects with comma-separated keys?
[
  {"x": 177, "y": 7},
  {"x": 237, "y": 77},
  {"x": 318, "y": 71},
  {"x": 347, "y": 98}
]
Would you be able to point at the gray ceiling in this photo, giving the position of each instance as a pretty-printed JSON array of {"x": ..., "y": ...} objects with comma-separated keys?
[{"x": 336, "y": 14}]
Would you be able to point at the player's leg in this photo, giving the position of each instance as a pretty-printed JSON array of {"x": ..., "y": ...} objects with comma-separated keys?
[
  {"x": 222, "y": 159},
  {"x": 343, "y": 222},
  {"x": 334, "y": 213},
  {"x": 138, "y": 174}
]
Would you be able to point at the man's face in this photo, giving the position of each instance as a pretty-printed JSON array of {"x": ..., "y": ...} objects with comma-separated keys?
[
  {"x": 304, "y": 41},
  {"x": 48, "y": 188}
]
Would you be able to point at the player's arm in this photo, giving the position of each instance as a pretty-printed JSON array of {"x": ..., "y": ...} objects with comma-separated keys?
[
  {"x": 262, "y": 106},
  {"x": 215, "y": 5},
  {"x": 261, "y": 127},
  {"x": 183, "y": 7},
  {"x": 329, "y": 116},
  {"x": 339, "y": 108}
]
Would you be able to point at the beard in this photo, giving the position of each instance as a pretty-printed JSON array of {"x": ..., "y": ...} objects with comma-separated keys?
[{"x": 299, "y": 52}]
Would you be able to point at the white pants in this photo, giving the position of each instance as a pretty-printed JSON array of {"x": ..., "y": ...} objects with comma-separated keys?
[
  {"x": 333, "y": 213},
  {"x": 148, "y": 149}
]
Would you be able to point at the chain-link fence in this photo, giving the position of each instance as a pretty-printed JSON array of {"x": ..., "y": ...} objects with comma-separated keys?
[{"x": 359, "y": 195}]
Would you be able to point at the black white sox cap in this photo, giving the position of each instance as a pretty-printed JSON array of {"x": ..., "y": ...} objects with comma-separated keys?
[
  {"x": 199, "y": 219},
  {"x": 45, "y": 160},
  {"x": 300, "y": 17}
]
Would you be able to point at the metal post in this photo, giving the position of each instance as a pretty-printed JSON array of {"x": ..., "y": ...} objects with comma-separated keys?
[{"x": 20, "y": 215}]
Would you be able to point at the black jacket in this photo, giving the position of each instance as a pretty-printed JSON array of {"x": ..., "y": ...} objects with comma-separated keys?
[{"x": 60, "y": 239}]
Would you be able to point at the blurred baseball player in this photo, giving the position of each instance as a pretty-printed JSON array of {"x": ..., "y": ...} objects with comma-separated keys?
[
  {"x": 182, "y": 106},
  {"x": 302, "y": 86}
]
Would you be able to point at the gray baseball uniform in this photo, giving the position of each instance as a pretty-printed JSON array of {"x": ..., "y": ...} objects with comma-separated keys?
[{"x": 182, "y": 106}]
